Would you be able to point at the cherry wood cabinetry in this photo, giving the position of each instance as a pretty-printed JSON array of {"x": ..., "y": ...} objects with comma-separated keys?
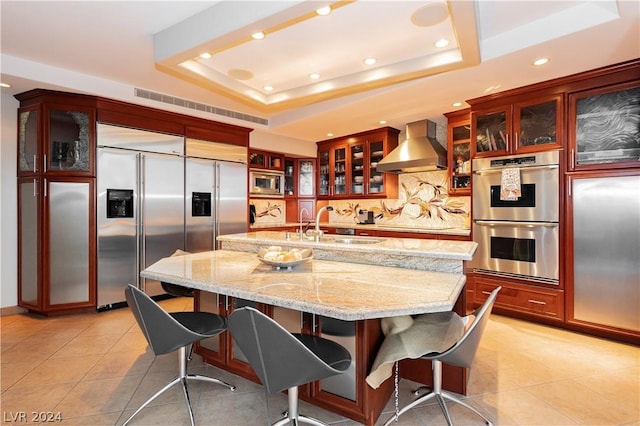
[
  {"x": 56, "y": 173},
  {"x": 538, "y": 303},
  {"x": 528, "y": 124},
  {"x": 459, "y": 151},
  {"x": 56, "y": 208},
  {"x": 266, "y": 160},
  {"x": 347, "y": 166},
  {"x": 604, "y": 127}
]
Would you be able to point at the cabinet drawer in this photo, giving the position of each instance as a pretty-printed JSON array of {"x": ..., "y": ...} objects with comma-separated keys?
[{"x": 541, "y": 302}]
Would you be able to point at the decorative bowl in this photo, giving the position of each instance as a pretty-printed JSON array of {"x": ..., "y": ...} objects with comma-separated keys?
[{"x": 306, "y": 254}]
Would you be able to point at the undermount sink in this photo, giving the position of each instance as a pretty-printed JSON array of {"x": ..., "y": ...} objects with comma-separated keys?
[{"x": 350, "y": 240}]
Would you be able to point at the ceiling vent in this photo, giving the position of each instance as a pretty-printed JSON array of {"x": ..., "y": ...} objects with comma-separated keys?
[{"x": 197, "y": 106}]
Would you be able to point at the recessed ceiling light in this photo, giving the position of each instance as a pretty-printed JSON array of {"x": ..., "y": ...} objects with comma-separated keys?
[
  {"x": 314, "y": 76},
  {"x": 443, "y": 42},
  {"x": 457, "y": 104},
  {"x": 324, "y": 11},
  {"x": 383, "y": 121},
  {"x": 540, "y": 61},
  {"x": 370, "y": 61},
  {"x": 329, "y": 134},
  {"x": 258, "y": 36},
  {"x": 5, "y": 85},
  {"x": 205, "y": 55},
  {"x": 268, "y": 88}
]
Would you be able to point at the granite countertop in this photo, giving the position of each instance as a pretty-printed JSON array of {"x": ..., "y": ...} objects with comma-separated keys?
[
  {"x": 465, "y": 232},
  {"x": 341, "y": 290},
  {"x": 444, "y": 249}
]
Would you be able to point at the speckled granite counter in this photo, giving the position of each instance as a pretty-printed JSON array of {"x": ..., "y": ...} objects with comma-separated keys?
[
  {"x": 341, "y": 290},
  {"x": 410, "y": 253}
]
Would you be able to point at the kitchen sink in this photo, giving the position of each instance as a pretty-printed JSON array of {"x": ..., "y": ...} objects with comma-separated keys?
[{"x": 350, "y": 240}]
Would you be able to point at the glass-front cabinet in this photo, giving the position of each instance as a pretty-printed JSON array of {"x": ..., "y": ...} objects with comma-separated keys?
[
  {"x": 604, "y": 127},
  {"x": 306, "y": 178},
  {"x": 56, "y": 208},
  {"x": 348, "y": 166},
  {"x": 529, "y": 125},
  {"x": 332, "y": 171},
  {"x": 459, "y": 152}
]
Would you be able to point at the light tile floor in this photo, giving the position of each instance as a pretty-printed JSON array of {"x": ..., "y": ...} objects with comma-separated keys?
[{"x": 95, "y": 369}]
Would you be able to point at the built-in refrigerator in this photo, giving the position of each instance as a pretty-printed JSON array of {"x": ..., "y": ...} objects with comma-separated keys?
[{"x": 154, "y": 200}]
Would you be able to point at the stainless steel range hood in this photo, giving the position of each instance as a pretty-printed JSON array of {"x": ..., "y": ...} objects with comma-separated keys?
[{"x": 420, "y": 152}]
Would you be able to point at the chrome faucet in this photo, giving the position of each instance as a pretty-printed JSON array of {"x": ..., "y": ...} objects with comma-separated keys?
[
  {"x": 318, "y": 233},
  {"x": 300, "y": 219}
]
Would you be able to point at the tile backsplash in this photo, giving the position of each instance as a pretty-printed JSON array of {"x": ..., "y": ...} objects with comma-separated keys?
[{"x": 423, "y": 202}]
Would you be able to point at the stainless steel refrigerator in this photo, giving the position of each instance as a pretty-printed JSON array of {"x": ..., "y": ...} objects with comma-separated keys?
[{"x": 152, "y": 201}]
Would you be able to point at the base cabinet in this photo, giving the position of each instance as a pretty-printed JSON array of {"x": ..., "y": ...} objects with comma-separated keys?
[
  {"x": 347, "y": 394},
  {"x": 519, "y": 298}
]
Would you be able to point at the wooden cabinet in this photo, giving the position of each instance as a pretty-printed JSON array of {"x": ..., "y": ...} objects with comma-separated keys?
[
  {"x": 527, "y": 124},
  {"x": 56, "y": 203},
  {"x": 266, "y": 160},
  {"x": 604, "y": 127},
  {"x": 299, "y": 177},
  {"x": 459, "y": 152},
  {"x": 347, "y": 166},
  {"x": 517, "y": 298}
]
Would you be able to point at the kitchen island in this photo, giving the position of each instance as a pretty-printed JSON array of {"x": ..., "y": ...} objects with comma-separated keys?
[{"x": 340, "y": 300}]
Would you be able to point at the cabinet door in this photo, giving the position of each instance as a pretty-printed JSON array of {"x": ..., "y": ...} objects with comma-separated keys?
[
  {"x": 377, "y": 180},
  {"x": 29, "y": 252},
  {"x": 537, "y": 125},
  {"x": 460, "y": 157},
  {"x": 29, "y": 150},
  {"x": 70, "y": 242},
  {"x": 324, "y": 176},
  {"x": 306, "y": 176},
  {"x": 490, "y": 131},
  {"x": 70, "y": 140},
  {"x": 290, "y": 170},
  {"x": 358, "y": 173},
  {"x": 604, "y": 127},
  {"x": 340, "y": 177}
]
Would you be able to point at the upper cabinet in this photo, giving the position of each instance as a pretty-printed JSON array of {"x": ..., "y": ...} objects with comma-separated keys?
[
  {"x": 56, "y": 140},
  {"x": 604, "y": 127},
  {"x": 299, "y": 177},
  {"x": 266, "y": 160},
  {"x": 347, "y": 165},
  {"x": 526, "y": 125},
  {"x": 459, "y": 152}
]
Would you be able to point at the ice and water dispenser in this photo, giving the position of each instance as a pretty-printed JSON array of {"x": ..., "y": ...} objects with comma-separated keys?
[
  {"x": 200, "y": 204},
  {"x": 119, "y": 203}
]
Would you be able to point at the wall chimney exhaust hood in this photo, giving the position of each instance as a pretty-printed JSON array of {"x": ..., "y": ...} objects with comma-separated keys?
[{"x": 420, "y": 152}]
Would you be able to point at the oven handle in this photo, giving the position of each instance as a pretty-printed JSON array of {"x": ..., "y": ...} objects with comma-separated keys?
[
  {"x": 518, "y": 224},
  {"x": 522, "y": 169}
]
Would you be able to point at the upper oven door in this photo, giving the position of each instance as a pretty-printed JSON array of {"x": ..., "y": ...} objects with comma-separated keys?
[
  {"x": 526, "y": 249},
  {"x": 539, "y": 200}
]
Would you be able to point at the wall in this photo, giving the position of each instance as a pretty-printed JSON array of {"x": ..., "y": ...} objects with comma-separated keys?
[{"x": 8, "y": 202}]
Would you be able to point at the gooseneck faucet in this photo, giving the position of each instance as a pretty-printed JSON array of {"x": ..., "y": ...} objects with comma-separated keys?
[
  {"x": 318, "y": 233},
  {"x": 300, "y": 219}
]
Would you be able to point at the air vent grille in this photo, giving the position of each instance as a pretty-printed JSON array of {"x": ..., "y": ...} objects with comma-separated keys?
[{"x": 185, "y": 103}]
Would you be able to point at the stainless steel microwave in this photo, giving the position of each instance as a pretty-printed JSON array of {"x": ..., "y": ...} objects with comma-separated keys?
[{"x": 266, "y": 183}]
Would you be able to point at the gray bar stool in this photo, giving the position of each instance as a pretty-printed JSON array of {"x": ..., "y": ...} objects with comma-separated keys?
[
  {"x": 283, "y": 360},
  {"x": 461, "y": 354},
  {"x": 168, "y": 332}
]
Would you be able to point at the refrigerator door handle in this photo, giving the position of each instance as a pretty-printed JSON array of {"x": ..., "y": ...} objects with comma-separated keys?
[
  {"x": 216, "y": 215},
  {"x": 140, "y": 246}
]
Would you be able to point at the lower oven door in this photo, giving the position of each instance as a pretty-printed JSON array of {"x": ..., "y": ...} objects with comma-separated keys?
[{"x": 525, "y": 249}]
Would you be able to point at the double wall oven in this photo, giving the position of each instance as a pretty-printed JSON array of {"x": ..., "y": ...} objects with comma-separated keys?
[{"x": 519, "y": 236}]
